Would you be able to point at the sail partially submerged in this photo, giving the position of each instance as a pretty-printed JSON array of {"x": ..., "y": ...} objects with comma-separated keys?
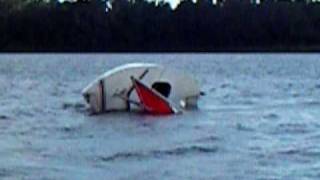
[
  {"x": 151, "y": 100},
  {"x": 115, "y": 91}
]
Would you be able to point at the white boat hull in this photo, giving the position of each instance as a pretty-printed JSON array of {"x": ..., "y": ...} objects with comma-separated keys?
[{"x": 108, "y": 92}]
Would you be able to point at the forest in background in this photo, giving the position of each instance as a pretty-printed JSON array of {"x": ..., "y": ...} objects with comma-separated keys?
[{"x": 143, "y": 26}]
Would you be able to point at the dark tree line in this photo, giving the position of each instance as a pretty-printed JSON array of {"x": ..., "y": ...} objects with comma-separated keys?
[{"x": 232, "y": 25}]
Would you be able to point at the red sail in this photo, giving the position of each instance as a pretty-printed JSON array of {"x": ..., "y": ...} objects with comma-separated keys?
[{"x": 151, "y": 100}]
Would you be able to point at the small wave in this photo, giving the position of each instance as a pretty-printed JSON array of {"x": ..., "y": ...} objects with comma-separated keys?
[
  {"x": 24, "y": 113},
  {"x": 242, "y": 127},
  {"x": 225, "y": 85},
  {"x": 302, "y": 152},
  {"x": 314, "y": 137},
  {"x": 312, "y": 103},
  {"x": 127, "y": 155},
  {"x": 212, "y": 89},
  {"x": 208, "y": 139},
  {"x": 79, "y": 107},
  {"x": 68, "y": 105},
  {"x": 292, "y": 128},
  {"x": 57, "y": 93},
  {"x": 312, "y": 153},
  {"x": 247, "y": 102},
  {"x": 271, "y": 116},
  {"x": 295, "y": 95},
  {"x": 4, "y": 117},
  {"x": 289, "y": 151},
  {"x": 251, "y": 95},
  {"x": 5, "y": 173},
  {"x": 159, "y": 153},
  {"x": 68, "y": 129},
  {"x": 317, "y": 86}
]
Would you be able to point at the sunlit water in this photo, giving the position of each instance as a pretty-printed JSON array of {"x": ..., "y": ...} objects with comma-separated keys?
[{"x": 260, "y": 119}]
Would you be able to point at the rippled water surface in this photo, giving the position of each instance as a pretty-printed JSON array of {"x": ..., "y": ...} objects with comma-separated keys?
[{"x": 260, "y": 119}]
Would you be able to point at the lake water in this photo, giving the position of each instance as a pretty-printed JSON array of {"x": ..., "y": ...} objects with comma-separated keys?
[{"x": 260, "y": 119}]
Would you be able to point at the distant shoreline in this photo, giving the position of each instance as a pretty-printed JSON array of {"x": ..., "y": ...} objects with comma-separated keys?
[{"x": 145, "y": 26}]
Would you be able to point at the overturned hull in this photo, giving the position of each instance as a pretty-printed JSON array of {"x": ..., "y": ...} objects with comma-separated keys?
[{"x": 116, "y": 91}]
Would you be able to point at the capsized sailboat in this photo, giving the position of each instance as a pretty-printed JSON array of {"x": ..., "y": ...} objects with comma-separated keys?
[{"x": 145, "y": 87}]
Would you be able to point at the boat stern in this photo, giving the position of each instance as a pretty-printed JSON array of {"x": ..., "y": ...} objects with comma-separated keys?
[{"x": 93, "y": 96}]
